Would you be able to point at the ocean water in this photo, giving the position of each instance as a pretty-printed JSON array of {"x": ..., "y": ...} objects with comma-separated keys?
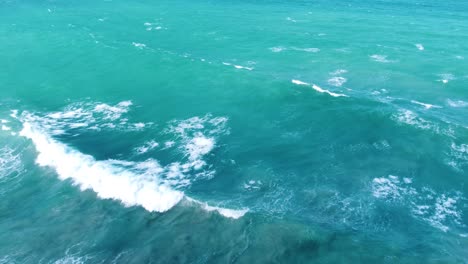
[{"x": 233, "y": 131}]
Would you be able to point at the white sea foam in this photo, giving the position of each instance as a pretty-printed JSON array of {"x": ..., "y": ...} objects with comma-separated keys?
[
  {"x": 229, "y": 213},
  {"x": 427, "y": 106},
  {"x": 438, "y": 210},
  {"x": 198, "y": 137},
  {"x": 337, "y": 81},
  {"x": 446, "y": 77},
  {"x": 281, "y": 48},
  {"x": 386, "y": 187},
  {"x": 87, "y": 116},
  {"x": 103, "y": 177},
  {"x": 238, "y": 66},
  {"x": 419, "y": 46},
  {"x": 410, "y": 118},
  {"x": 150, "y": 26},
  {"x": 14, "y": 113},
  {"x": 320, "y": 90},
  {"x": 458, "y": 155},
  {"x": 169, "y": 144},
  {"x": 380, "y": 58},
  {"x": 71, "y": 260},
  {"x": 199, "y": 146},
  {"x": 338, "y": 72},
  {"x": 6, "y": 128},
  {"x": 139, "y": 45},
  {"x": 457, "y": 104},
  {"x": 145, "y": 183},
  {"x": 113, "y": 112},
  {"x": 253, "y": 185},
  {"x": 3, "y": 121},
  {"x": 149, "y": 145},
  {"x": 382, "y": 145},
  {"x": 277, "y": 49},
  {"x": 299, "y": 82},
  {"x": 312, "y": 50},
  {"x": 243, "y": 67}
]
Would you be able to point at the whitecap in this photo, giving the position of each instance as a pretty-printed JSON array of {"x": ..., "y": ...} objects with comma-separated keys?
[
  {"x": 320, "y": 90},
  {"x": 243, "y": 67},
  {"x": 427, "y": 106},
  {"x": 238, "y": 66},
  {"x": 139, "y": 45},
  {"x": 6, "y": 128},
  {"x": 299, "y": 82},
  {"x": 277, "y": 49},
  {"x": 419, "y": 46},
  {"x": 229, "y": 213}
]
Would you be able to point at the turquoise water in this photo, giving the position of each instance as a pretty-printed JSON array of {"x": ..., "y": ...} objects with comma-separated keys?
[{"x": 233, "y": 131}]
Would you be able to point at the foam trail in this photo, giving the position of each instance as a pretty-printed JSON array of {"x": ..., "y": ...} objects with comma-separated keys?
[{"x": 104, "y": 178}]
